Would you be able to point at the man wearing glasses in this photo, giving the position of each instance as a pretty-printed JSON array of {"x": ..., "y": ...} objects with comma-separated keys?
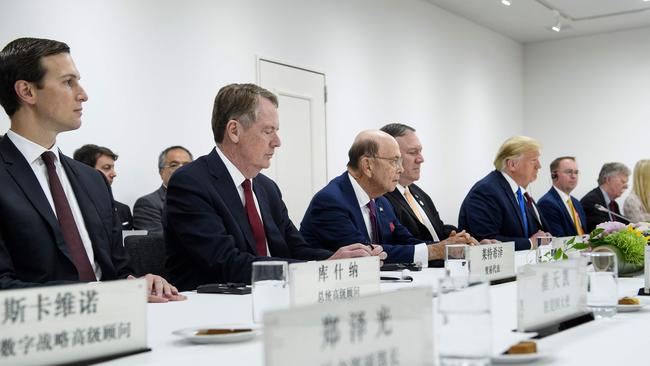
[
  {"x": 147, "y": 212},
  {"x": 563, "y": 212},
  {"x": 352, "y": 209}
]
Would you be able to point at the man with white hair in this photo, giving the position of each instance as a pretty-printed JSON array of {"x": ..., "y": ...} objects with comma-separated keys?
[{"x": 612, "y": 182}]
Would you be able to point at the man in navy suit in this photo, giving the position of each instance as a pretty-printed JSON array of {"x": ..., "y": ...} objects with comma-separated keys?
[
  {"x": 221, "y": 213},
  {"x": 58, "y": 224},
  {"x": 563, "y": 212},
  {"x": 352, "y": 209},
  {"x": 498, "y": 205}
]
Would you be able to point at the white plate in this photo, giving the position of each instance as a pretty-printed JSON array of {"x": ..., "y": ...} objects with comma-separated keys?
[
  {"x": 190, "y": 334},
  {"x": 628, "y": 308},
  {"x": 518, "y": 358}
]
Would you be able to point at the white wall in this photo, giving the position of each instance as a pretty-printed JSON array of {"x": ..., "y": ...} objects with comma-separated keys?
[
  {"x": 588, "y": 97},
  {"x": 153, "y": 67}
]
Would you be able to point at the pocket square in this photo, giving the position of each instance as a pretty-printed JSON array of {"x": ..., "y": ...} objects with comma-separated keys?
[{"x": 391, "y": 226}]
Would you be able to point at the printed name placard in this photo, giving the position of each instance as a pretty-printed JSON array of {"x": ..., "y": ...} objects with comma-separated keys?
[
  {"x": 551, "y": 292},
  {"x": 63, "y": 324},
  {"x": 646, "y": 271},
  {"x": 333, "y": 280},
  {"x": 492, "y": 261},
  {"x": 393, "y": 328}
]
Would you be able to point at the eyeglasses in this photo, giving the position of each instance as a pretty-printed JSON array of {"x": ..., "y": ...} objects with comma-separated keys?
[
  {"x": 176, "y": 164},
  {"x": 396, "y": 162}
]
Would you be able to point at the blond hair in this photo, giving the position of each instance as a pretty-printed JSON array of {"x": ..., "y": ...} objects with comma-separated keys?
[
  {"x": 642, "y": 182},
  {"x": 513, "y": 148}
]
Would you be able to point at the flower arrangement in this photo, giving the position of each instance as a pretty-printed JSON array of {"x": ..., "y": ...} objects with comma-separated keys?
[{"x": 626, "y": 241}]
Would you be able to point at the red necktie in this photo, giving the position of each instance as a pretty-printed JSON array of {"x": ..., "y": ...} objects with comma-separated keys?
[
  {"x": 531, "y": 208},
  {"x": 373, "y": 221},
  {"x": 67, "y": 223},
  {"x": 254, "y": 219},
  {"x": 613, "y": 206}
]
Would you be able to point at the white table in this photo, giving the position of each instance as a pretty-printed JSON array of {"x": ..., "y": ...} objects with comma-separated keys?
[{"x": 601, "y": 342}]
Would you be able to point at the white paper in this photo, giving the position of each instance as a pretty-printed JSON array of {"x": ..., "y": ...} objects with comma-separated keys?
[{"x": 492, "y": 261}]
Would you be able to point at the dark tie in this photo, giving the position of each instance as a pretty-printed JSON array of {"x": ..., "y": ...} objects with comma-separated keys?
[
  {"x": 522, "y": 210},
  {"x": 531, "y": 203},
  {"x": 67, "y": 223},
  {"x": 254, "y": 219},
  {"x": 373, "y": 221},
  {"x": 613, "y": 206}
]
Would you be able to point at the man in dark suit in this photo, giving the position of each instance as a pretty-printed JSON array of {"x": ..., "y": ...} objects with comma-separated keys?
[
  {"x": 352, "y": 209},
  {"x": 148, "y": 209},
  {"x": 498, "y": 205},
  {"x": 221, "y": 213},
  {"x": 612, "y": 182},
  {"x": 563, "y": 212},
  {"x": 413, "y": 207},
  {"x": 58, "y": 225},
  {"x": 103, "y": 159}
]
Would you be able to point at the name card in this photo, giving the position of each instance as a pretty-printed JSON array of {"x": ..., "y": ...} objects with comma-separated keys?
[
  {"x": 394, "y": 328},
  {"x": 646, "y": 271},
  {"x": 333, "y": 280},
  {"x": 492, "y": 261},
  {"x": 72, "y": 323},
  {"x": 551, "y": 292}
]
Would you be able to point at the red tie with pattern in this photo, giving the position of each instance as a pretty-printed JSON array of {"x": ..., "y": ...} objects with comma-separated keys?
[
  {"x": 67, "y": 223},
  {"x": 613, "y": 206},
  {"x": 254, "y": 219}
]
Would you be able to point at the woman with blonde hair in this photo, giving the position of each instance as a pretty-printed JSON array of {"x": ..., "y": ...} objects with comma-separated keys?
[{"x": 637, "y": 204}]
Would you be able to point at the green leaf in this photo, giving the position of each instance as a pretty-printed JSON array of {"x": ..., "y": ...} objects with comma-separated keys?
[
  {"x": 580, "y": 246},
  {"x": 570, "y": 241},
  {"x": 558, "y": 254}
]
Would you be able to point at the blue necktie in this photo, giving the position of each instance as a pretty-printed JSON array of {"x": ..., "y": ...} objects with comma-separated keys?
[{"x": 522, "y": 208}]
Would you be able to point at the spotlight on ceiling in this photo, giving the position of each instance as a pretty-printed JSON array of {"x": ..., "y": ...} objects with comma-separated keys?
[
  {"x": 507, "y": 2},
  {"x": 557, "y": 27}
]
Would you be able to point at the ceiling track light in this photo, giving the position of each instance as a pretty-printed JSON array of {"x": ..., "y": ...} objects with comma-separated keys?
[
  {"x": 507, "y": 2},
  {"x": 557, "y": 27}
]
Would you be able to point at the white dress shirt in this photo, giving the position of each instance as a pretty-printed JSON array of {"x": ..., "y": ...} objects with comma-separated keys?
[
  {"x": 238, "y": 178},
  {"x": 32, "y": 153},
  {"x": 420, "y": 251}
]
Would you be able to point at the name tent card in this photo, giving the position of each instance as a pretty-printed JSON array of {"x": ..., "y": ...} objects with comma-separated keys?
[
  {"x": 394, "y": 328},
  {"x": 492, "y": 261},
  {"x": 333, "y": 280},
  {"x": 549, "y": 293},
  {"x": 72, "y": 323}
]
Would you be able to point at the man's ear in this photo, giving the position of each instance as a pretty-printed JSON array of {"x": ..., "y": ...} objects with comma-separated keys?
[
  {"x": 25, "y": 91},
  {"x": 233, "y": 130},
  {"x": 366, "y": 166}
]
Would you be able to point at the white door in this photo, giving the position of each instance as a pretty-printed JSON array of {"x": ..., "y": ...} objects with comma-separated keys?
[{"x": 299, "y": 166}]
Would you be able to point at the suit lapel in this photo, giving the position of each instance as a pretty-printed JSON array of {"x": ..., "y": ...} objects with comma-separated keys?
[
  {"x": 351, "y": 198},
  {"x": 405, "y": 205},
  {"x": 563, "y": 209},
  {"x": 228, "y": 191},
  {"x": 23, "y": 174},
  {"x": 511, "y": 198}
]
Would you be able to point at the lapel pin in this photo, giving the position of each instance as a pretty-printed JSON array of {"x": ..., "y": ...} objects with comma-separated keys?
[
  {"x": 381, "y": 209},
  {"x": 421, "y": 203}
]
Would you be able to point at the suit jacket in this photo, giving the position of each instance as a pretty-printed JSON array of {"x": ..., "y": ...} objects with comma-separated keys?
[
  {"x": 595, "y": 217},
  {"x": 33, "y": 251},
  {"x": 407, "y": 217},
  {"x": 560, "y": 222},
  {"x": 333, "y": 219},
  {"x": 123, "y": 213},
  {"x": 207, "y": 232},
  {"x": 491, "y": 211},
  {"x": 148, "y": 210}
]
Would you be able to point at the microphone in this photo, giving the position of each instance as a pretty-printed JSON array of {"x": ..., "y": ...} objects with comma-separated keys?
[{"x": 605, "y": 209}]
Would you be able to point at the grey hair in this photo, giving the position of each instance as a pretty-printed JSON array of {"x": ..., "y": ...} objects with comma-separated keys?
[
  {"x": 163, "y": 154},
  {"x": 397, "y": 129},
  {"x": 612, "y": 169}
]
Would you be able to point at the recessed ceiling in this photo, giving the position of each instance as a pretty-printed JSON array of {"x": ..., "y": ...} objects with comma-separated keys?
[{"x": 530, "y": 20}]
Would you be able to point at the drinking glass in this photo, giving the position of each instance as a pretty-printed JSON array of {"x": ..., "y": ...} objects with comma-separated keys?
[
  {"x": 456, "y": 260},
  {"x": 602, "y": 292},
  {"x": 466, "y": 322},
  {"x": 545, "y": 249},
  {"x": 270, "y": 287}
]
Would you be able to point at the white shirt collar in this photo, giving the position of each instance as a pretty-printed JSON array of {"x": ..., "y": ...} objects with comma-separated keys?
[
  {"x": 235, "y": 174},
  {"x": 565, "y": 197},
  {"x": 362, "y": 196},
  {"x": 607, "y": 199},
  {"x": 513, "y": 185},
  {"x": 31, "y": 150}
]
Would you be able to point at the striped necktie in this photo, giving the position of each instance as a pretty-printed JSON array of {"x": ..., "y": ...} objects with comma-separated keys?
[{"x": 576, "y": 217}]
